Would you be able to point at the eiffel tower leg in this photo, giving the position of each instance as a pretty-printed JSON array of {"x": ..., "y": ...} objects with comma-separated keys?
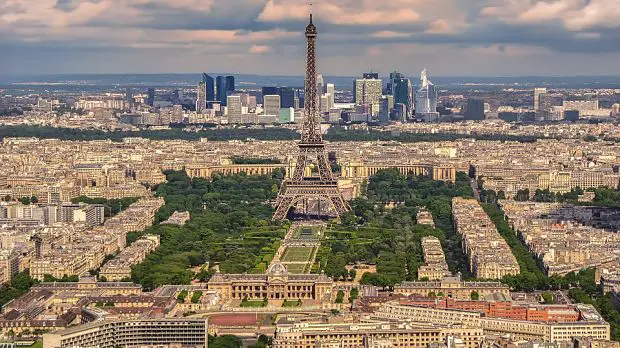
[
  {"x": 324, "y": 169},
  {"x": 283, "y": 206},
  {"x": 339, "y": 205}
]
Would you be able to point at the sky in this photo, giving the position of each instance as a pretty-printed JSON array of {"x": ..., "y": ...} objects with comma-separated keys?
[{"x": 448, "y": 37}]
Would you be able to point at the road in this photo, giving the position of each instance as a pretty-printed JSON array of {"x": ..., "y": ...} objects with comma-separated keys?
[{"x": 474, "y": 186}]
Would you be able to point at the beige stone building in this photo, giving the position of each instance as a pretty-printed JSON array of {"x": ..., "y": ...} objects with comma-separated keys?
[
  {"x": 452, "y": 287},
  {"x": 375, "y": 334},
  {"x": 489, "y": 255},
  {"x": 276, "y": 284},
  {"x": 435, "y": 266}
]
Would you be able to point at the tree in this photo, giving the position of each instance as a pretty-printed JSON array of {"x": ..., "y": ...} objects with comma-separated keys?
[
  {"x": 474, "y": 296},
  {"x": 24, "y": 200},
  {"x": 8, "y": 198},
  {"x": 432, "y": 294},
  {"x": 262, "y": 342},
  {"x": 182, "y": 296},
  {"x": 353, "y": 294},
  {"x": 196, "y": 296},
  {"x": 34, "y": 200},
  {"x": 523, "y": 195},
  {"x": 340, "y": 296},
  {"x": 547, "y": 298},
  {"x": 225, "y": 341}
]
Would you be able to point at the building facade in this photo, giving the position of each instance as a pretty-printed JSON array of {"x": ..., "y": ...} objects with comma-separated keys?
[
  {"x": 276, "y": 284},
  {"x": 132, "y": 333},
  {"x": 452, "y": 287}
]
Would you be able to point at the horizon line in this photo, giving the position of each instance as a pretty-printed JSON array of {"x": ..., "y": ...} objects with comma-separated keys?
[{"x": 301, "y": 76}]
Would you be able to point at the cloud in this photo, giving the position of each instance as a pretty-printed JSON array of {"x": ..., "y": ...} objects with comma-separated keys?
[
  {"x": 354, "y": 12},
  {"x": 439, "y": 26},
  {"x": 574, "y": 15},
  {"x": 389, "y": 34},
  {"x": 259, "y": 49}
]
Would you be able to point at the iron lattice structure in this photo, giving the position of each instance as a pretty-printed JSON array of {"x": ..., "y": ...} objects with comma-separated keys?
[{"x": 311, "y": 151}]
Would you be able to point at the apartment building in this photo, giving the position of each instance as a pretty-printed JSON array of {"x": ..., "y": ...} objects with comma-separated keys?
[
  {"x": 488, "y": 254},
  {"x": 435, "y": 266},
  {"x": 125, "y": 333},
  {"x": 592, "y": 325},
  {"x": 353, "y": 335}
]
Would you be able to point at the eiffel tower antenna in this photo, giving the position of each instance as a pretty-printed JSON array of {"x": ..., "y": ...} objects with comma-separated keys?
[{"x": 311, "y": 150}]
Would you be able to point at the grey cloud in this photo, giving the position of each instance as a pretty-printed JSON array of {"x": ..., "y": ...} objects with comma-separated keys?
[{"x": 338, "y": 41}]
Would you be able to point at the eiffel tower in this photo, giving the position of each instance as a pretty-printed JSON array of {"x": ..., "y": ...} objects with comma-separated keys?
[{"x": 311, "y": 151}]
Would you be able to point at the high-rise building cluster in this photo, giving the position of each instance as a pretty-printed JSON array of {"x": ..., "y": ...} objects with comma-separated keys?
[{"x": 212, "y": 91}]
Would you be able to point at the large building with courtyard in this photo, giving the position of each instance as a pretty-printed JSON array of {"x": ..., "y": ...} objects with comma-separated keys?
[
  {"x": 276, "y": 284},
  {"x": 453, "y": 287}
]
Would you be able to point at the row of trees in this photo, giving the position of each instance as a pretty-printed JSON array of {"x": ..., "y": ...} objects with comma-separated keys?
[
  {"x": 242, "y": 133},
  {"x": 44, "y": 132},
  {"x": 603, "y": 196},
  {"x": 490, "y": 196},
  {"x": 343, "y": 134},
  {"x": 255, "y": 160}
]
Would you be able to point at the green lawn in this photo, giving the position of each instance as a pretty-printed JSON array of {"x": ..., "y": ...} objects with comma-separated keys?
[
  {"x": 296, "y": 268},
  {"x": 295, "y": 254},
  {"x": 252, "y": 304},
  {"x": 291, "y": 303},
  {"x": 308, "y": 232}
]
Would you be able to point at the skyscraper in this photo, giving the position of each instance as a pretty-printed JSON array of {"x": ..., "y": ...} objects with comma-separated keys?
[
  {"x": 128, "y": 96},
  {"x": 150, "y": 100},
  {"x": 209, "y": 86},
  {"x": 538, "y": 92},
  {"x": 225, "y": 86},
  {"x": 391, "y": 86},
  {"x": 330, "y": 89},
  {"x": 201, "y": 99},
  {"x": 425, "y": 97},
  {"x": 387, "y": 104},
  {"x": 287, "y": 97},
  {"x": 270, "y": 90},
  {"x": 320, "y": 86},
  {"x": 235, "y": 108},
  {"x": 475, "y": 109},
  {"x": 367, "y": 93},
  {"x": 271, "y": 104},
  {"x": 402, "y": 91},
  {"x": 230, "y": 83},
  {"x": 220, "y": 85}
]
